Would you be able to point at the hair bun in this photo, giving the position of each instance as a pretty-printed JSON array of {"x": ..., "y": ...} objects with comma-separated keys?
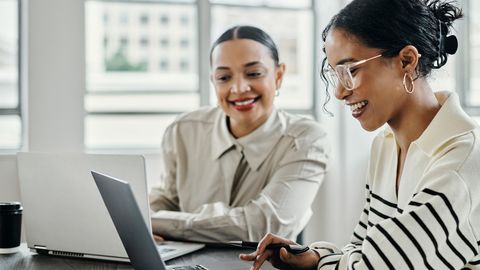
[{"x": 451, "y": 44}]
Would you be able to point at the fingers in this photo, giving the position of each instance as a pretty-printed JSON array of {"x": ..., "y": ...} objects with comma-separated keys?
[
  {"x": 158, "y": 238},
  {"x": 271, "y": 239},
  {"x": 262, "y": 254},
  {"x": 285, "y": 256},
  {"x": 260, "y": 259},
  {"x": 248, "y": 257},
  {"x": 266, "y": 240}
]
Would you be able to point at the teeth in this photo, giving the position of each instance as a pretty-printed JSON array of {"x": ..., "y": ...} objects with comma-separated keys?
[
  {"x": 245, "y": 102},
  {"x": 358, "y": 105}
]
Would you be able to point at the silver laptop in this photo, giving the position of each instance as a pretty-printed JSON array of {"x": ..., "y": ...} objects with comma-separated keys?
[
  {"x": 132, "y": 229},
  {"x": 64, "y": 213}
]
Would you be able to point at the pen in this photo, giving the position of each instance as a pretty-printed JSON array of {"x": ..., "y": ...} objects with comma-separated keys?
[{"x": 294, "y": 249}]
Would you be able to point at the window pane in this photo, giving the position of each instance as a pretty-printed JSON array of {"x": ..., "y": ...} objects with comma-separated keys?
[
  {"x": 125, "y": 131},
  {"x": 140, "y": 57},
  {"x": 443, "y": 79},
  {"x": 8, "y": 54},
  {"x": 127, "y": 44},
  {"x": 293, "y": 35},
  {"x": 268, "y": 3},
  {"x": 10, "y": 131},
  {"x": 474, "y": 98}
]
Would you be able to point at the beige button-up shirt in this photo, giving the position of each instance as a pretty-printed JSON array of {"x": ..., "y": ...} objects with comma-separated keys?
[{"x": 286, "y": 159}]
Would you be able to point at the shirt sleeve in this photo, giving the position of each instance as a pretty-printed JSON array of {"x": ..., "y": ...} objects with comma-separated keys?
[
  {"x": 279, "y": 208},
  {"x": 165, "y": 197},
  {"x": 433, "y": 232}
]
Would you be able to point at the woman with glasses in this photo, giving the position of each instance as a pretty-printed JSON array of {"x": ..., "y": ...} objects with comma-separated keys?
[
  {"x": 422, "y": 208},
  {"x": 243, "y": 168}
]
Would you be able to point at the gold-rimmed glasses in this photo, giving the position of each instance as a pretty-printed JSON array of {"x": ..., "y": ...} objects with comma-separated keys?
[{"x": 343, "y": 73}]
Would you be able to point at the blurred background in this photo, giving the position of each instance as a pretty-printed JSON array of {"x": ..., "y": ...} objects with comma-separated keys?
[{"x": 109, "y": 77}]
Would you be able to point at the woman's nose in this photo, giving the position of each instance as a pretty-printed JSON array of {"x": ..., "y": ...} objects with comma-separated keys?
[
  {"x": 341, "y": 92},
  {"x": 241, "y": 86}
]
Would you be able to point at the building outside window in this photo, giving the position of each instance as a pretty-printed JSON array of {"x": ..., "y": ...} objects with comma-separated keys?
[
  {"x": 472, "y": 58},
  {"x": 10, "y": 116},
  {"x": 130, "y": 101}
]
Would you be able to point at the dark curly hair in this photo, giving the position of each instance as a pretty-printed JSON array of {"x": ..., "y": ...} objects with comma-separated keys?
[{"x": 390, "y": 25}]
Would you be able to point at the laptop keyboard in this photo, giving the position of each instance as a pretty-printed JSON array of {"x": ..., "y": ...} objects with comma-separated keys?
[
  {"x": 194, "y": 267},
  {"x": 163, "y": 250}
]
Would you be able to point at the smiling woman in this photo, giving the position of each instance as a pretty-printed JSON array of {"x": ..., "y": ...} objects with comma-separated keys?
[
  {"x": 240, "y": 170},
  {"x": 245, "y": 83},
  {"x": 420, "y": 210}
]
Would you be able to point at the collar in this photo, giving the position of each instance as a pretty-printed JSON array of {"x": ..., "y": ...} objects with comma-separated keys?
[
  {"x": 222, "y": 140},
  {"x": 256, "y": 146},
  {"x": 449, "y": 122}
]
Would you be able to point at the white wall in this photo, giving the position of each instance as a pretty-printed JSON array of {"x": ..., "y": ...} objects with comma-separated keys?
[{"x": 55, "y": 56}]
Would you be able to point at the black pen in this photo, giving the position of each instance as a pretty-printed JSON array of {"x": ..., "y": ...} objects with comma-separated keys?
[{"x": 294, "y": 249}]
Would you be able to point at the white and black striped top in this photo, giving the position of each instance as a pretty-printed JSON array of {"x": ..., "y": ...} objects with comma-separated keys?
[{"x": 434, "y": 222}]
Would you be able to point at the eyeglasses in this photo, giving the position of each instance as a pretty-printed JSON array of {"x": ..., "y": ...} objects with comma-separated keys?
[{"x": 343, "y": 73}]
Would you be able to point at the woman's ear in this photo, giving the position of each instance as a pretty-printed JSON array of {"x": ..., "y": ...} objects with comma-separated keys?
[
  {"x": 279, "y": 72},
  {"x": 409, "y": 58}
]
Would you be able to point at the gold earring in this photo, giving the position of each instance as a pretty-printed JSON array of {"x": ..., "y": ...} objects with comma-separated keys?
[{"x": 412, "y": 85}]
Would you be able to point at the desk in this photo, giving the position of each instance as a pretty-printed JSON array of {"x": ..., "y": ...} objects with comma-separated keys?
[{"x": 212, "y": 258}]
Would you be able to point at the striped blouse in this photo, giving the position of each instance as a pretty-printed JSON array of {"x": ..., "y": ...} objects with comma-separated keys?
[{"x": 434, "y": 221}]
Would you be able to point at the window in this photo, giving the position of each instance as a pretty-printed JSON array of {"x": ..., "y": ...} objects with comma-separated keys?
[
  {"x": 184, "y": 42},
  {"x": 164, "y": 42},
  {"x": 144, "y": 42},
  {"x": 164, "y": 65},
  {"x": 130, "y": 100},
  {"x": 133, "y": 88},
  {"x": 184, "y": 20},
  {"x": 473, "y": 96},
  {"x": 184, "y": 65},
  {"x": 164, "y": 19},
  {"x": 144, "y": 19},
  {"x": 10, "y": 117},
  {"x": 468, "y": 55}
]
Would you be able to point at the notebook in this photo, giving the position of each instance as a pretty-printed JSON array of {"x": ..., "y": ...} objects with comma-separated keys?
[
  {"x": 64, "y": 213},
  {"x": 132, "y": 229}
]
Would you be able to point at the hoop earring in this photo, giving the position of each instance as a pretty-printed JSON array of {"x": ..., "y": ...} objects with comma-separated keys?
[
  {"x": 412, "y": 85},
  {"x": 277, "y": 93}
]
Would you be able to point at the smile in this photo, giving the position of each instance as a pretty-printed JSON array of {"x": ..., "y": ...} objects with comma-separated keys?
[
  {"x": 244, "y": 102},
  {"x": 357, "y": 106}
]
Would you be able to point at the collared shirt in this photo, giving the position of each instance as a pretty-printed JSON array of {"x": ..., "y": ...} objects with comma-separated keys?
[
  {"x": 434, "y": 221},
  {"x": 286, "y": 158}
]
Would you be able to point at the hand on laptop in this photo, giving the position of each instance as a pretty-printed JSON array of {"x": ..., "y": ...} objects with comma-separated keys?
[{"x": 158, "y": 238}]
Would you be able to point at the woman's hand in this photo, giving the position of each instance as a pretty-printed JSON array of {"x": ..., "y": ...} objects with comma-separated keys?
[
  {"x": 280, "y": 259},
  {"x": 158, "y": 238}
]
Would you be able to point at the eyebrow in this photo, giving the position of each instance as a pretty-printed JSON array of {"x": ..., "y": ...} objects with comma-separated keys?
[
  {"x": 249, "y": 64},
  {"x": 346, "y": 60}
]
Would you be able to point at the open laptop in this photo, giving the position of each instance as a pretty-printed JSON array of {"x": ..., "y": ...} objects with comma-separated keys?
[
  {"x": 64, "y": 213},
  {"x": 132, "y": 229}
]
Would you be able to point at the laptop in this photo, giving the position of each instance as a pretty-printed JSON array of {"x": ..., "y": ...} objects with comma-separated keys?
[
  {"x": 64, "y": 213},
  {"x": 131, "y": 227}
]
